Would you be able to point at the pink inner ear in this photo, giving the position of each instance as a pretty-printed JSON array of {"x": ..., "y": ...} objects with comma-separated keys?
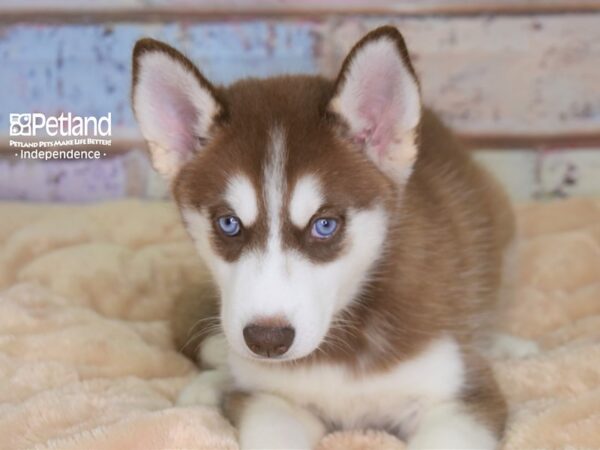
[
  {"x": 176, "y": 114},
  {"x": 379, "y": 106}
]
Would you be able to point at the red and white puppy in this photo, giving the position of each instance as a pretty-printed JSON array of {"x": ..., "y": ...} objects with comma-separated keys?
[{"x": 355, "y": 247}]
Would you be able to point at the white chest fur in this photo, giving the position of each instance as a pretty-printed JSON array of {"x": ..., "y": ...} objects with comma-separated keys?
[{"x": 393, "y": 398}]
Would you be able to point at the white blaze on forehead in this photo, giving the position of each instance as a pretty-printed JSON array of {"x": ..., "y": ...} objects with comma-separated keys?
[
  {"x": 306, "y": 200},
  {"x": 241, "y": 196},
  {"x": 274, "y": 183}
]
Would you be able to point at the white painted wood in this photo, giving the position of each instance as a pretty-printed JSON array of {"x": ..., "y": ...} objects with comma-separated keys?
[
  {"x": 307, "y": 7},
  {"x": 504, "y": 74}
]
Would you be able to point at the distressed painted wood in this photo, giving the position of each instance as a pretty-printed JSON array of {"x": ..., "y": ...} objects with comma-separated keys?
[
  {"x": 525, "y": 173},
  {"x": 526, "y": 82},
  {"x": 125, "y": 175},
  {"x": 568, "y": 173},
  {"x": 86, "y": 69},
  {"x": 144, "y": 10},
  {"x": 488, "y": 76}
]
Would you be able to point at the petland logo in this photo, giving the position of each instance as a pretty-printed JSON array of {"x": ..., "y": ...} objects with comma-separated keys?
[
  {"x": 65, "y": 130},
  {"x": 64, "y": 125}
]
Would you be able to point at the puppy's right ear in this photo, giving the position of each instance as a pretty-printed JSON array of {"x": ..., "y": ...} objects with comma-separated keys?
[{"x": 175, "y": 106}]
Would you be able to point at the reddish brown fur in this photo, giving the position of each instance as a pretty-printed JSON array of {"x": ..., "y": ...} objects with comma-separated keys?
[{"x": 195, "y": 317}]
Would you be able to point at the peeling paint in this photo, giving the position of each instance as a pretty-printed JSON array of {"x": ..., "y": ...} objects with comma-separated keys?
[
  {"x": 86, "y": 69},
  {"x": 508, "y": 74}
]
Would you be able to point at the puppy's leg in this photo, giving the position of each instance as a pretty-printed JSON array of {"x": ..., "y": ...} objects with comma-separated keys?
[
  {"x": 502, "y": 345},
  {"x": 449, "y": 426},
  {"x": 475, "y": 420},
  {"x": 194, "y": 320},
  {"x": 196, "y": 330},
  {"x": 266, "y": 422},
  {"x": 208, "y": 386},
  {"x": 206, "y": 389}
]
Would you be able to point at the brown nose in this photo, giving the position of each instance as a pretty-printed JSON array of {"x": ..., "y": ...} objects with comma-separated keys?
[{"x": 268, "y": 341}]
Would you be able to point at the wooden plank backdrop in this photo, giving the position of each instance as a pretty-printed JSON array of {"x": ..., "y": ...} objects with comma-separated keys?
[
  {"x": 144, "y": 10},
  {"x": 507, "y": 75}
]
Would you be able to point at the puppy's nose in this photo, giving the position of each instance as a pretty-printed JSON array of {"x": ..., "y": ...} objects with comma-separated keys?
[{"x": 269, "y": 341}]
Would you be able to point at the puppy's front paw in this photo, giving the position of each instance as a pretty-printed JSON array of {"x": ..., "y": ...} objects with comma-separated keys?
[
  {"x": 270, "y": 422},
  {"x": 206, "y": 389}
]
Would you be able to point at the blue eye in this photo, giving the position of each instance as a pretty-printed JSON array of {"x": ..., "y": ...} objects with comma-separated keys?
[
  {"x": 324, "y": 228},
  {"x": 230, "y": 225}
]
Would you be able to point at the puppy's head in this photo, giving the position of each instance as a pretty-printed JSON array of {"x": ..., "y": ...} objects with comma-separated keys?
[{"x": 287, "y": 185}]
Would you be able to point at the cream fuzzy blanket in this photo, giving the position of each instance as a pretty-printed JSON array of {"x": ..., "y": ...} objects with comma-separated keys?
[{"x": 86, "y": 359}]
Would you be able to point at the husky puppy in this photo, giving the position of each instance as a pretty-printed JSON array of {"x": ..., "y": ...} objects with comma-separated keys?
[{"x": 355, "y": 249}]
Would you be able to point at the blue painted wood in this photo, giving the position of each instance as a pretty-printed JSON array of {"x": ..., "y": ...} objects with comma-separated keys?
[
  {"x": 63, "y": 181},
  {"x": 86, "y": 69}
]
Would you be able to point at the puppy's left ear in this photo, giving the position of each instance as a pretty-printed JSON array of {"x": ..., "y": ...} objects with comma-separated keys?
[{"x": 377, "y": 96}]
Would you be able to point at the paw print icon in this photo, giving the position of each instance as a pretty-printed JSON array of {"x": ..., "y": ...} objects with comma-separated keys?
[{"x": 20, "y": 124}]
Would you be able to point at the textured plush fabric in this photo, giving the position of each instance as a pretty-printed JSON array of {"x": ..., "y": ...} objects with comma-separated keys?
[{"x": 86, "y": 359}]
